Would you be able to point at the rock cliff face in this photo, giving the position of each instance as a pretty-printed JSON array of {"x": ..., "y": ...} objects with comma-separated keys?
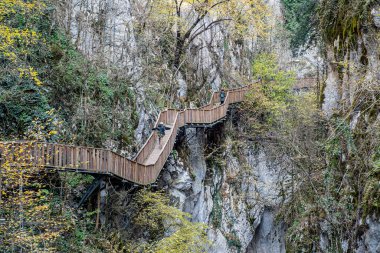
[
  {"x": 102, "y": 30},
  {"x": 236, "y": 194},
  {"x": 349, "y": 77},
  {"x": 109, "y": 33},
  {"x": 359, "y": 66}
]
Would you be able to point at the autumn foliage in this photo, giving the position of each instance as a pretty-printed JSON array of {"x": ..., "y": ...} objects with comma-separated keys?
[
  {"x": 18, "y": 34},
  {"x": 29, "y": 221}
]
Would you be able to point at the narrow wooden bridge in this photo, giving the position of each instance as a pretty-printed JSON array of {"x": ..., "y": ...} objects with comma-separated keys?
[{"x": 146, "y": 166}]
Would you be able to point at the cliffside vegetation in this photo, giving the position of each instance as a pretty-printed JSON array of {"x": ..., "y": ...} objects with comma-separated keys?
[
  {"x": 343, "y": 21},
  {"x": 334, "y": 185},
  {"x": 43, "y": 78},
  {"x": 335, "y": 179},
  {"x": 180, "y": 27}
]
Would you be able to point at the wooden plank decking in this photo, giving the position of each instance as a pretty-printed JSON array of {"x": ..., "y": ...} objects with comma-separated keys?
[{"x": 146, "y": 166}]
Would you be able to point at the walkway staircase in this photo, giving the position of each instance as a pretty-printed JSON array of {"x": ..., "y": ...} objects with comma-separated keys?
[{"x": 146, "y": 166}]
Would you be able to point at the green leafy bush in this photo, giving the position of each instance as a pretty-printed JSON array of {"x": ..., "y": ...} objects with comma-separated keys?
[{"x": 97, "y": 103}]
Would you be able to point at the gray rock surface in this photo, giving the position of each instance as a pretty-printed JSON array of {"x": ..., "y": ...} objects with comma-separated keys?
[
  {"x": 269, "y": 236},
  {"x": 375, "y": 12},
  {"x": 331, "y": 92},
  {"x": 370, "y": 241},
  {"x": 232, "y": 198}
]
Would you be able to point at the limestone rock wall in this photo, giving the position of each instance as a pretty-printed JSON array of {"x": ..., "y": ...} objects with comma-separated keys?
[
  {"x": 113, "y": 33},
  {"x": 237, "y": 196},
  {"x": 358, "y": 69},
  {"x": 358, "y": 72}
]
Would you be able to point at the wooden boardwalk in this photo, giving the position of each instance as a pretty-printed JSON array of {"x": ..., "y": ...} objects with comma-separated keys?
[
  {"x": 156, "y": 151},
  {"x": 146, "y": 166}
]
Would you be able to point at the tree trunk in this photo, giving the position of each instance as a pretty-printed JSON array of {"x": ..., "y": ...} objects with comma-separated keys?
[{"x": 180, "y": 43}]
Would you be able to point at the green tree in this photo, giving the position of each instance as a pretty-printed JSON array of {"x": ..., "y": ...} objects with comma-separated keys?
[{"x": 273, "y": 94}]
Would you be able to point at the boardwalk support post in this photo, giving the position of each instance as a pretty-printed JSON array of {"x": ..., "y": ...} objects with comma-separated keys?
[
  {"x": 90, "y": 190},
  {"x": 102, "y": 199}
]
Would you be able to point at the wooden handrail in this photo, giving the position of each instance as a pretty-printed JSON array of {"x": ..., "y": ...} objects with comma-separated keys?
[
  {"x": 140, "y": 170},
  {"x": 147, "y": 164}
]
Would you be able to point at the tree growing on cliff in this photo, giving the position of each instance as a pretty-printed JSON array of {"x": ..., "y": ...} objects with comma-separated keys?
[
  {"x": 189, "y": 19},
  {"x": 270, "y": 97},
  {"x": 182, "y": 21}
]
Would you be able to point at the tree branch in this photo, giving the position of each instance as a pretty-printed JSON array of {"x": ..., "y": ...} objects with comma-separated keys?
[
  {"x": 201, "y": 17},
  {"x": 208, "y": 27}
]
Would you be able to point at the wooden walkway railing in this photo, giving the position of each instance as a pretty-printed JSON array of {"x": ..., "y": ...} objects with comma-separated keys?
[
  {"x": 141, "y": 170},
  {"x": 305, "y": 83},
  {"x": 144, "y": 168}
]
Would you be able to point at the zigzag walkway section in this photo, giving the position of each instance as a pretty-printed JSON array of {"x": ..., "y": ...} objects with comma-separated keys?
[{"x": 146, "y": 166}]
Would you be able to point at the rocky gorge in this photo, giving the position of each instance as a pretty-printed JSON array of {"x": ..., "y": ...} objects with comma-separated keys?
[{"x": 295, "y": 167}]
